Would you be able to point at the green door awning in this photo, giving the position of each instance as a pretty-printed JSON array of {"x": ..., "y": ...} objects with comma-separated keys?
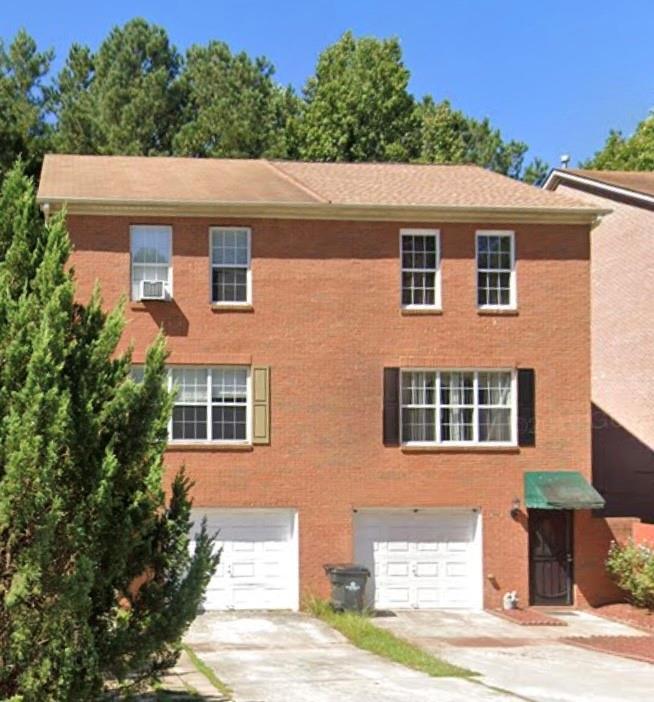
[{"x": 560, "y": 489}]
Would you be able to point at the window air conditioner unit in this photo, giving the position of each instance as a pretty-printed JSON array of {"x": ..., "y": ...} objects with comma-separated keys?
[{"x": 152, "y": 290}]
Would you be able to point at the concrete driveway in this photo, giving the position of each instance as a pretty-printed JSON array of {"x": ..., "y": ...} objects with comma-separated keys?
[
  {"x": 530, "y": 662},
  {"x": 288, "y": 657}
]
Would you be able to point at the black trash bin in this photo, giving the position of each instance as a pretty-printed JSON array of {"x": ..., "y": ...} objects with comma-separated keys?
[{"x": 348, "y": 582}]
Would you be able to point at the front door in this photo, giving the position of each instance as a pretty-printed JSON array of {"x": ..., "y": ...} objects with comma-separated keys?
[{"x": 550, "y": 557}]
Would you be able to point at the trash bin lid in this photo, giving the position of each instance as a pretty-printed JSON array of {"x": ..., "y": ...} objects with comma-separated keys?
[{"x": 346, "y": 569}]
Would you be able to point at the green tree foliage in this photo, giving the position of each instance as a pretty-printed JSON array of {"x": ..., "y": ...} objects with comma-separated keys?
[
  {"x": 449, "y": 136},
  {"x": 24, "y": 103},
  {"x": 76, "y": 131},
  {"x": 536, "y": 172},
  {"x": 128, "y": 92},
  {"x": 82, "y": 508},
  {"x": 137, "y": 95},
  {"x": 357, "y": 104},
  {"x": 633, "y": 153},
  {"x": 444, "y": 132},
  {"x": 233, "y": 107}
]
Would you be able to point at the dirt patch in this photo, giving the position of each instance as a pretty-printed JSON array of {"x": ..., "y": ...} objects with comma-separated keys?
[
  {"x": 627, "y": 614},
  {"x": 640, "y": 648},
  {"x": 527, "y": 617}
]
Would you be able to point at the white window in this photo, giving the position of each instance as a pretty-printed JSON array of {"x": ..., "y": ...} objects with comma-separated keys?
[
  {"x": 230, "y": 265},
  {"x": 420, "y": 256},
  {"x": 211, "y": 404},
  {"x": 496, "y": 284},
  {"x": 151, "y": 254},
  {"x": 458, "y": 407}
]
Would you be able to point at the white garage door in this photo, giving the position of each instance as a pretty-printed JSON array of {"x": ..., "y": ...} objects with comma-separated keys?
[
  {"x": 259, "y": 562},
  {"x": 426, "y": 559}
]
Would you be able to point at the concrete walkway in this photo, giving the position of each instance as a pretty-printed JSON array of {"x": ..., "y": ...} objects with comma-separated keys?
[
  {"x": 531, "y": 662},
  {"x": 186, "y": 681},
  {"x": 288, "y": 657}
]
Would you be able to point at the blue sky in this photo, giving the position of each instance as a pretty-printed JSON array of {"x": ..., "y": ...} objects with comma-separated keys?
[{"x": 555, "y": 74}]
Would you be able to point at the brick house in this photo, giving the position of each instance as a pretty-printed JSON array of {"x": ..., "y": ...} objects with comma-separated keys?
[
  {"x": 381, "y": 363},
  {"x": 622, "y": 336}
]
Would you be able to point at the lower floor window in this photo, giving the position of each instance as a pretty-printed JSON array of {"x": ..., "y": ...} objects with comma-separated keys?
[
  {"x": 452, "y": 407},
  {"x": 211, "y": 404}
]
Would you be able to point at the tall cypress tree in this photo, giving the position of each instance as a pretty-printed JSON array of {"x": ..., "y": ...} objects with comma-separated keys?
[{"x": 83, "y": 513}]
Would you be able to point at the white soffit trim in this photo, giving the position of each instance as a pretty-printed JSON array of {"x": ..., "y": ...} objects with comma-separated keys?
[{"x": 560, "y": 175}]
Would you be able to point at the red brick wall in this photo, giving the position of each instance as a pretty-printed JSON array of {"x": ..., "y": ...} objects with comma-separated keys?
[
  {"x": 326, "y": 318},
  {"x": 593, "y": 537},
  {"x": 643, "y": 534},
  {"x": 622, "y": 316},
  {"x": 622, "y": 289}
]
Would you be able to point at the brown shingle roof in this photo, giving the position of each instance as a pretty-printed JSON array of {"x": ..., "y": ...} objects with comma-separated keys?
[
  {"x": 284, "y": 185},
  {"x": 419, "y": 185},
  {"x": 151, "y": 179},
  {"x": 638, "y": 181}
]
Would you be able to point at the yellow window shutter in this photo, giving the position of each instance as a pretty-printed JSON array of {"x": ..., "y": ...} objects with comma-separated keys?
[{"x": 261, "y": 404}]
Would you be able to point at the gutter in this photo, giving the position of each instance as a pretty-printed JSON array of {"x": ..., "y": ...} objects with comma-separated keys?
[{"x": 326, "y": 211}]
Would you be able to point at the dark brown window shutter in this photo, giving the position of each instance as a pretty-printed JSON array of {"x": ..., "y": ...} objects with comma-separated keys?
[
  {"x": 526, "y": 407},
  {"x": 391, "y": 406}
]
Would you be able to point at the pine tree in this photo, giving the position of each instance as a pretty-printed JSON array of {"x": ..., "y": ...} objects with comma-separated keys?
[
  {"x": 25, "y": 102},
  {"x": 83, "y": 513}
]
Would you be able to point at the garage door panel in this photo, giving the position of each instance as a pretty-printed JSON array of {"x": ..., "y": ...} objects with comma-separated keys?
[
  {"x": 397, "y": 597},
  {"x": 258, "y": 565},
  {"x": 426, "y": 570},
  {"x": 397, "y": 546},
  {"x": 428, "y": 597},
  {"x": 456, "y": 570},
  {"x": 429, "y": 559},
  {"x": 242, "y": 546},
  {"x": 432, "y": 546}
]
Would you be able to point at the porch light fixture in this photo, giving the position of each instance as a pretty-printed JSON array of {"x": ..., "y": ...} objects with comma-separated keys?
[{"x": 515, "y": 508}]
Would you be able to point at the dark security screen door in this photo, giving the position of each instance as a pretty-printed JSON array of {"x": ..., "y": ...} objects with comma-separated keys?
[{"x": 550, "y": 557}]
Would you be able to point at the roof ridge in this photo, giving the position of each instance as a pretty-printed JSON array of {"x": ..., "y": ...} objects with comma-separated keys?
[{"x": 295, "y": 181}]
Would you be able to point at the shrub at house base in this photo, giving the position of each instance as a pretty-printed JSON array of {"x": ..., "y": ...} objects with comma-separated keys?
[
  {"x": 632, "y": 567},
  {"x": 82, "y": 509}
]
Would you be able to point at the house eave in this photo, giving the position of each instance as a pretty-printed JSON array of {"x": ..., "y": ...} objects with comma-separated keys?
[
  {"x": 606, "y": 189},
  {"x": 324, "y": 211}
]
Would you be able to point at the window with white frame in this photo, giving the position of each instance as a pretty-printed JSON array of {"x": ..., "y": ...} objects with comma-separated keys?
[
  {"x": 458, "y": 407},
  {"x": 420, "y": 255},
  {"x": 230, "y": 265},
  {"x": 151, "y": 254},
  {"x": 211, "y": 404},
  {"x": 496, "y": 285}
]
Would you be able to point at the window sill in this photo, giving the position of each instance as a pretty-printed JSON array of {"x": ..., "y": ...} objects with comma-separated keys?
[
  {"x": 476, "y": 448},
  {"x": 411, "y": 311},
  {"x": 231, "y": 307},
  {"x": 501, "y": 311},
  {"x": 207, "y": 446}
]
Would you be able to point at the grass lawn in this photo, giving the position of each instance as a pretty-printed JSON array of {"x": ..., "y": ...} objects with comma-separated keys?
[{"x": 361, "y": 631}]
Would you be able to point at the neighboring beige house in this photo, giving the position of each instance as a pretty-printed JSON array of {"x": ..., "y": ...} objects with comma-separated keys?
[{"x": 622, "y": 264}]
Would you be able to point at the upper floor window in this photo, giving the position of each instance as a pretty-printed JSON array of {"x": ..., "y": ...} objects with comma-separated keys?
[
  {"x": 211, "y": 404},
  {"x": 151, "y": 255},
  {"x": 420, "y": 255},
  {"x": 496, "y": 285},
  {"x": 230, "y": 265},
  {"x": 458, "y": 407}
]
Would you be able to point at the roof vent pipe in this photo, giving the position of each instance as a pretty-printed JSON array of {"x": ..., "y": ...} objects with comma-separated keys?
[{"x": 565, "y": 160}]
